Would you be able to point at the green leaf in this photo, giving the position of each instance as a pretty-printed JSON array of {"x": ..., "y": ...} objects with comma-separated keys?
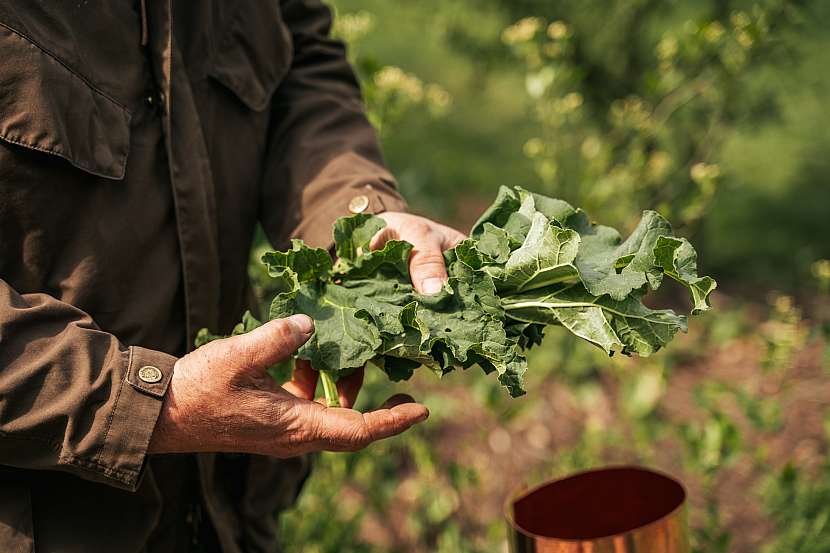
[
  {"x": 602, "y": 253},
  {"x": 506, "y": 204},
  {"x": 393, "y": 256},
  {"x": 342, "y": 341},
  {"x": 613, "y": 325},
  {"x": 494, "y": 243},
  {"x": 308, "y": 264},
  {"x": 678, "y": 259},
  {"x": 545, "y": 257},
  {"x": 352, "y": 235}
]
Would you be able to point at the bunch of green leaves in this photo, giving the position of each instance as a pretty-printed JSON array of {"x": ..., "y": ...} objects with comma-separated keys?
[{"x": 531, "y": 261}]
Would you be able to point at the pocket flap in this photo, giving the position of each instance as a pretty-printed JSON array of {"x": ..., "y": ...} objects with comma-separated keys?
[
  {"x": 48, "y": 107},
  {"x": 254, "y": 54}
]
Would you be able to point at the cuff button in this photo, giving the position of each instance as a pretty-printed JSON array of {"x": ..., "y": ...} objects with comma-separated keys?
[
  {"x": 149, "y": 374},
  {"x": 358, "y": 204}
]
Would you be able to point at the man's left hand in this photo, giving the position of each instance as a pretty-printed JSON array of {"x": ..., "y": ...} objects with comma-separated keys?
[{"x": 429, "y": 240}]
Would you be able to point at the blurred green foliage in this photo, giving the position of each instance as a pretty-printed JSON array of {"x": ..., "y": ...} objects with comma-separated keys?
[{"x": 712, "y": 112}]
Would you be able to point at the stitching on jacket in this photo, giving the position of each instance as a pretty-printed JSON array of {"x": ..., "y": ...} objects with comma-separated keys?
[
  {"x": 122, "y": 163},
  {"x": 114, "y": 408},
  {"x": 125, "y": 476},
  {"x": 67, "y": 67}
]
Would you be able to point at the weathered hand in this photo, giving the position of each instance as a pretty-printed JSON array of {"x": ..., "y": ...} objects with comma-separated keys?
[
  {"x": 429, "y": 240},
  {"x": 221, "y": 399}
]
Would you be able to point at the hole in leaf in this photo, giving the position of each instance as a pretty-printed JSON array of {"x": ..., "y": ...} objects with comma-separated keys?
[{"x": 447, "y": 330}]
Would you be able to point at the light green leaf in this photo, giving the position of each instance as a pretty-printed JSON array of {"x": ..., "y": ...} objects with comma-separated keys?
[
  {"x": 678, "y": 260},
  {"x": 545, "y": 257},
  {"x": 625, "y": 325},
  {"x": 353, "y": 234}
]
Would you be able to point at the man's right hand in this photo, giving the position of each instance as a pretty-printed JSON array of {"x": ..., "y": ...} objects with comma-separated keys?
[{"x": 221, "y": 399}]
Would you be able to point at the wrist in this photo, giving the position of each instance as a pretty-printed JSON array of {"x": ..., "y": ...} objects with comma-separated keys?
[{"x": 169, "y": 434}]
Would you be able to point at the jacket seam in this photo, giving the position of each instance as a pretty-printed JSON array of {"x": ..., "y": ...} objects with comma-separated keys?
[
  {"x": 122, "y": 475},
  {"x": 125, "y": 476},
  {"x": 73, "y": 71},
  {"x": 67, "y": 157},
  {"x": 114, "y": 409}
]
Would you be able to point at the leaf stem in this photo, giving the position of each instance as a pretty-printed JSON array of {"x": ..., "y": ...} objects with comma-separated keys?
[
  {"x": 330, "y": 389},
  {"x": 547, "y": 305}
]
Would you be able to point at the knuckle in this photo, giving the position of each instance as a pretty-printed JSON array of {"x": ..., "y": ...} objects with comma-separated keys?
[
  {"x": 232, "y": 352},
  {"x": 361, "y": 439},
  {"x": 384, "y": 235},
  {"x": 419, "y": 226},
  {"x": 354, "y": 439},
  {"x": 298, "y": 427},
  {"x": 283, "y": 333},
  {"x": 283, "y": 337},
  {"x": 455, "y": 239},
  {"x": 428, "y": 258}
]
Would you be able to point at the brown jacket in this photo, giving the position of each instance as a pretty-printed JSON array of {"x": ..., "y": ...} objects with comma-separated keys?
[{"x": 140, "y": 144}]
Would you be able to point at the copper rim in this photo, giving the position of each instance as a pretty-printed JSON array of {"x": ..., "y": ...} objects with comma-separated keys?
[{"x": 669, "y": 520}]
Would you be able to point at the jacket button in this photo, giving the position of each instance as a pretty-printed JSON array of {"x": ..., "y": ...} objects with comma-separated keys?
[
  {"x": 358, "y": 204},
  {"x": 149, "y": 374}
]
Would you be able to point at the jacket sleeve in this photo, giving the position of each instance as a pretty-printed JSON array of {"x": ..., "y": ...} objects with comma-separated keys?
[
  {"x": 323, "y": 153},
  {"x": 71, "y": 397}
]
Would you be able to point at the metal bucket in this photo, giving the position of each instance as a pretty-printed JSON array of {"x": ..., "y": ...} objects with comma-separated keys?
[{"x": 608, "y": 510}]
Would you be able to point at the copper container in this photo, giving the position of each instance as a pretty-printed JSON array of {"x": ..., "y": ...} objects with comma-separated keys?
[{"x": 609, "y": 510}]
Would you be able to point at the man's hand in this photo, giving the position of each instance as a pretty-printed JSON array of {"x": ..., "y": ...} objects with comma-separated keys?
[
  {"x": 429, "y": 240},
  {"x": 221, "y": 399}
]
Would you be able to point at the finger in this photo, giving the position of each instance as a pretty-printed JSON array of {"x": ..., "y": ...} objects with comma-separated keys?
[
  {"x": 426, "y": 264},
  {"x": 348, "y": 430},
  {"x": 397, "y": 399},
  {"x": 382, "y": 237},
  {"x": 303, "y": 381},
  {"x": 348, "y": 387},
  {"x": 451, "y": 236},
  {"x": 271, "y": 343},
  {"x": 384, "y": 423}
]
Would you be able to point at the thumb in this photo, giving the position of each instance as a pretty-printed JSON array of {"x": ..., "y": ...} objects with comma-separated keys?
[{"x": 271, "y": 343}]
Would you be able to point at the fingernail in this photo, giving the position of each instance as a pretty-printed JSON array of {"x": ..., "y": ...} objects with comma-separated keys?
[
  {"x": 432, "y": 286},
  {"x": 302, "y": 323}
]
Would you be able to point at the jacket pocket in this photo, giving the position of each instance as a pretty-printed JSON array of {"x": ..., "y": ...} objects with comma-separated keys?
[
  {"x": 254, "y": 52},
  {"x": 48, "y": 107},
  {"x": 16, "y": 534}
]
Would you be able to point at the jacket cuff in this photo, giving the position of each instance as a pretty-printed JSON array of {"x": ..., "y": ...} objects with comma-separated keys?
[
  {"x": 122, "y": 457},
  {"x": 360, "y": 197},
  {"x": 355, "y": 185}
]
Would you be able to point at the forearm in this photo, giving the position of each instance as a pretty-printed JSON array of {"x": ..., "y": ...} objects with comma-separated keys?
[{"x": 324, "y": 160}]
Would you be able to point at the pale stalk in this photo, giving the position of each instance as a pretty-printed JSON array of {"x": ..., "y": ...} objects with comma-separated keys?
[{"x": 329, "y": 389}]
